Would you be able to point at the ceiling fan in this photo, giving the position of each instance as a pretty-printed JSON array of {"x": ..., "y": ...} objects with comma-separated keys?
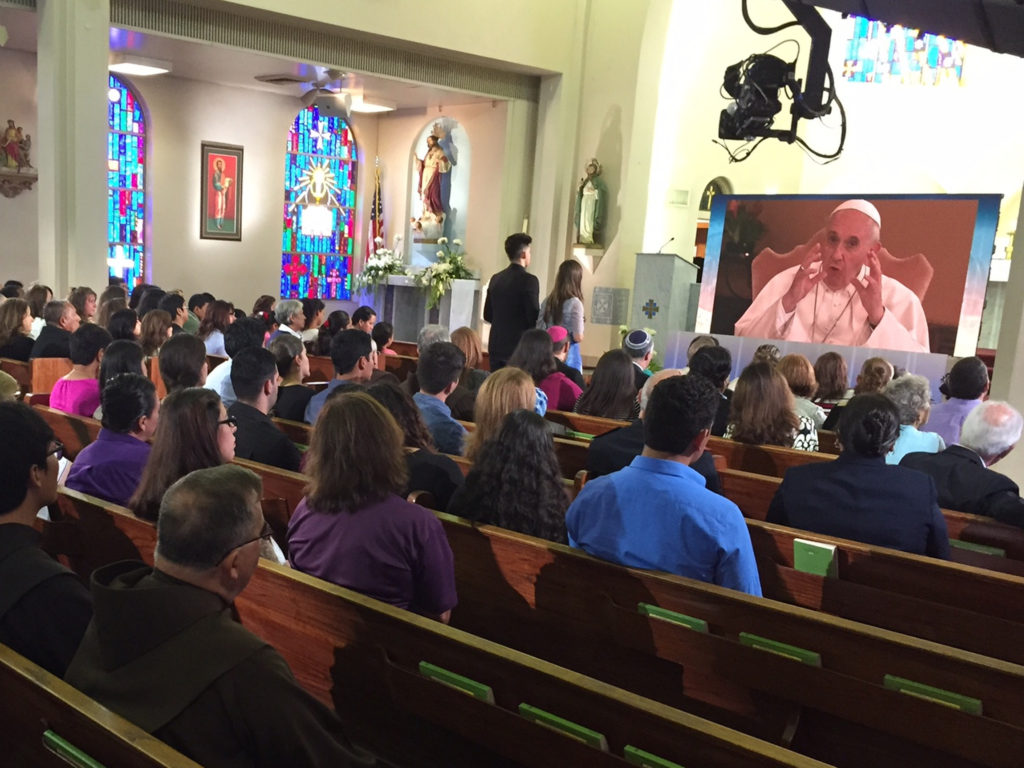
[{"x": 329, "y": 83}]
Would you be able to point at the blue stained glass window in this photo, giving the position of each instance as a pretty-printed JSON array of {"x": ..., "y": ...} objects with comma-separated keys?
[
  {"x": 889, "y": 53},
  {"x": 126, "y": 183},
  {"x": 320, "y": 182}
]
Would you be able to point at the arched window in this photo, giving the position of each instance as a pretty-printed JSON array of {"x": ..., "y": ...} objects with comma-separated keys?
[
  {"x": 319, "y": 207},
  {"x": 126, "y": 183}
]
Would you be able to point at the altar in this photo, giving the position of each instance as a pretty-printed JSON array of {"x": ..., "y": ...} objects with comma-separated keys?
[{"x": 404, "y": 304}]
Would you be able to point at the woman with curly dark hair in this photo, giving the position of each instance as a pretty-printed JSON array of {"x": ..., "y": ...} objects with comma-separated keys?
[
  {"x": 336, "y": 322},
  {"x": 612, "y": 390},
  {"x": 762, "y": 412},
  {"x": 428, "y": 470},
  {"x": 515, "y": 482}
]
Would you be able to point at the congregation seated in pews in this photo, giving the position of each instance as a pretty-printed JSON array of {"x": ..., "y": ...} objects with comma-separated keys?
[{"x": 649, "y": 503}]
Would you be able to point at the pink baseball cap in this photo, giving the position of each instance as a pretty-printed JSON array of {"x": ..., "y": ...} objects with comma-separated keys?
[{"x": 558, "y": 334}]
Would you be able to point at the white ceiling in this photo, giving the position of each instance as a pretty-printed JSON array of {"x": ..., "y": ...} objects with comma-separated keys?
[{"x": 238, "y": 68}]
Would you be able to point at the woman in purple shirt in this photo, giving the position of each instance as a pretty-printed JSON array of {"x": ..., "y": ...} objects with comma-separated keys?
[
  {"x": 110, "y": 468},
  {"x": 353, "y": 528}
]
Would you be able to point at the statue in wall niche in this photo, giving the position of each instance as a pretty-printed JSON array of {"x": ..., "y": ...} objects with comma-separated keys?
[
  {"x": 591, "y": 206},
  {"x": 432, "y": 168},
  {"x": 16, "y": 171}
]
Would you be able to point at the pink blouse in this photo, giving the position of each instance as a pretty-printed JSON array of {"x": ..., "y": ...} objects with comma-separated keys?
[{"x": 81, "y": 396}]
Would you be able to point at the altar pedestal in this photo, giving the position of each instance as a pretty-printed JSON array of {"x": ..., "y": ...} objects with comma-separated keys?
[
  {"x": 403, "y": 304},
  {"x": 665, "y": 294}
]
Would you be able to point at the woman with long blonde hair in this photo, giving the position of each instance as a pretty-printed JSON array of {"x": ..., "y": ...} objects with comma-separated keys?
[{"x": 506, "y": 390}]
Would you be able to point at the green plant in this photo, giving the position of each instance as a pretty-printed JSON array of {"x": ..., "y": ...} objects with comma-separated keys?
[
  {"x": 450, "y": 265},
  {"x": 382, "y": 264}
]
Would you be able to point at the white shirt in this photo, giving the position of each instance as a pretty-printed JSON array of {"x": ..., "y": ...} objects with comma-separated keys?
[
  {"x": 219, "y": 380},
  {"x": 837, "y": 317}
]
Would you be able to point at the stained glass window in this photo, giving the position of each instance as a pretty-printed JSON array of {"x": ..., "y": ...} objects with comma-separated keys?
[
  {"x": 889, "y": 53},
  {"x": 126, "y": 183},
  {"x": 319, "y": 207}
]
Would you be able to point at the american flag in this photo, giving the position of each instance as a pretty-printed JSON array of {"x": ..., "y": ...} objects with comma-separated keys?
[{"x": 376, "y": 216}]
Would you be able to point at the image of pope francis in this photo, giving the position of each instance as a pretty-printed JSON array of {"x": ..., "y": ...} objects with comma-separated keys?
[{"x": 837, "y": 294}]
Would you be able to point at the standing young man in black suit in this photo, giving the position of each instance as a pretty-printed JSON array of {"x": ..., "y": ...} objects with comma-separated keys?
[{"x": 513, "y": 301}]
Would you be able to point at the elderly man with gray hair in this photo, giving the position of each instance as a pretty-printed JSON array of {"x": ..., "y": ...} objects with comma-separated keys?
[
  {"x": 614, "y": 450},
  {"x": 912, "y": 396},
  {"x": 961, "y": 472},
  {"x": 165, "y": 648}
]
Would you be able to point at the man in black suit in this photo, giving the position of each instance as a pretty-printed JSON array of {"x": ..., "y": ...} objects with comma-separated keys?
[
  {"x": 255, "y": 381},
  {"x": 961, "y": 472},
  {"x": 614, "y": 450},
  {"x": 513, "y": 301},
  {"x": 55, "y": 337},
  {"x": 639, "y": 345}
]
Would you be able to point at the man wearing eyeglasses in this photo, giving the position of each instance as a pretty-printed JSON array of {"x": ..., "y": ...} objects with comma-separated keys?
[
  {"x": 44, "y": 609},
  {"x": 166, "y": 651}
]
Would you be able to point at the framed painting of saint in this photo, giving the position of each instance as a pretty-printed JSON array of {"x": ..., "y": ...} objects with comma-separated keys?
[{"x": 220, "y": 215}]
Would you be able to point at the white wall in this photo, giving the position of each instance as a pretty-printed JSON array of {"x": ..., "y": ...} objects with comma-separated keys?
[
  {"x": 182, "y": 114},
  {"x": 19, "y": 216}
]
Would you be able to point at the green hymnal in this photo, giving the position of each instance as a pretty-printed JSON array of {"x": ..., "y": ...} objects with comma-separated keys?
[
  {"x": 458, "y": 682},
  {"x": 636, "y": 756},
  {"x": 815, "y": 557},
  {"x": 781, "y": 649},
  {"x": 966, "y": 704},
  {"x": 569, "y": 728},
  {"x": 657, "y": 612},
  {"x": 68, "y": 752},
  {"x": 984, "y": 549}
]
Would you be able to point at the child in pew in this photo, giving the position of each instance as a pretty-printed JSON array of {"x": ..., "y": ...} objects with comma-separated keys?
[
  {"x": 428, "y": 470},
  {"x": 353, "y": 528},
  {"x": 78, "y": 391},
  {"x": 516, "y": 482},
  {"x": 111, "y": 467}
]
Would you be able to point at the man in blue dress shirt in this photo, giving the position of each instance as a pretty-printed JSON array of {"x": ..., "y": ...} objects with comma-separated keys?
[
  {"x": 439, "y": 369},
  {"x": 656, "y": 513}
]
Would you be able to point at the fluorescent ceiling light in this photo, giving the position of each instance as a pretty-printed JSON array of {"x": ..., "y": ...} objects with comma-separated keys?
[
  {"x": 360, "y": 104},
  {"x": 128, "y": 64}
]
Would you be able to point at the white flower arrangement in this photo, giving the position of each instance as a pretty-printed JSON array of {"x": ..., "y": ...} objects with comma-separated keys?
[
  {"x": 450, "y": 265},
  {"x": 378, "y": 268}
]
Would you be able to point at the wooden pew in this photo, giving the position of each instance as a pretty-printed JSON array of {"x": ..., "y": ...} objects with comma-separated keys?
[
  {"x": 365, "y": 657},
  {"x": 828, "y": 441},
  {"x": 409, "y": 349},
  {"x": 753, "y": 493},
  {"x": 43, "y": 718},
  {"x": 562, "y": 605},
  {"x": 20, "y": 371},
  {"x": 588, "y": 425},
  {"x": 46, "y": 371},
  {"x": 212, "y": 361},
  {"x": 840, "y": 709},
  {"x": 400, "y": 365},
  {"x": 770, "y": 460},
  {"x": 297, "y": 431},
  {"x": 74, "y": 431},
  {"x": 320, "y": 368}
]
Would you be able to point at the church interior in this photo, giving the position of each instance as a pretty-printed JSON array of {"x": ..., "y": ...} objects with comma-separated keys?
[{"x": 530, "y": 91}]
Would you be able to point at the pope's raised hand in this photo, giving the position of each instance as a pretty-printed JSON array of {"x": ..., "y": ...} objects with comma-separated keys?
[
  {"x": 870, "y": 291},
  {"x": 803, "y": 279}
]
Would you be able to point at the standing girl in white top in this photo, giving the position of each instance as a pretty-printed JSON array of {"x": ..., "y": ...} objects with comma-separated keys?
[{"x": 564, "y": 307}]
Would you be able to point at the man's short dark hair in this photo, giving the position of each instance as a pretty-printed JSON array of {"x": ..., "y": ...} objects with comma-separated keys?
[
  {"x": 171, "y": 303},
  {"x": 347, "y": 347},
  {"x": 363, "y": 314},
  {"x": 27, "y": 438},
  {"x": 206, "y": 514},
  {"x": 181, "y": 361},
  {"x": 713, "y": 363},
  {"x": 678, "y": 409},
  {"x": 516, "y": 244},
  {"x": 250, "y": 370},
  {"x": 968, "y": 378},
  {"x": 242, "y": 334},
  {"x": 53, "y": 311},
  {"x": 439, "y": 365},
  {"x": 199, "y": 300},
  {"x": 126, "y": 398},
  {"x": 87, "y": 342}
]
